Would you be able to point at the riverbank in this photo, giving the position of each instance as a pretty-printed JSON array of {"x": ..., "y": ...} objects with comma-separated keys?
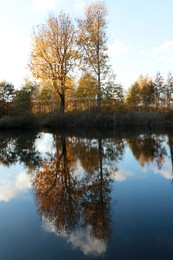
[{"x": 88, "y": 119}]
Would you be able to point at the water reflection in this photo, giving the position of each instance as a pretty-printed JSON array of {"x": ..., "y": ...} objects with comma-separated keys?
[
  {"x": 12, "y": 186},
  {"x": 19, "y": 148},
  {"x": 148, "y": 148},
  {"x": 72, "y": 179},
  {"x": 77, "y": 203}
]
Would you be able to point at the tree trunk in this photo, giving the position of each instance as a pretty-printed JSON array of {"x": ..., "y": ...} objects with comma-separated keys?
[
  {"x": 62, "y": 108},
  {"x": 99, "y": 92}
]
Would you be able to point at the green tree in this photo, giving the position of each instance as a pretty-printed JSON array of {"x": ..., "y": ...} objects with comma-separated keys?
[
  {"x": 113, "y": 95},
  {"x": 93, "y": 43},
  {"x": 54, "y": 53},
  {"x": 23, "y": 98}
]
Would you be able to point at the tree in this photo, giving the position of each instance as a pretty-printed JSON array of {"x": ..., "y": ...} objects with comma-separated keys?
[
  {"x": 147, "y": 91},
  {"x": 133, "y": 98},
  {"x": 92, "y": 40},
  {"x": 53, "y": 53},
  {"x": 113, "y": 93},
  {"x": 141, "y": 94},
  {"x": 159, "y": 89},
  {"x": 6, "y": 97},
  {"x": 23, "y": 98},
  {"x": 169, "y": 91},
  {"x": 87, "y": 90},
  {"x": 45, "y": 99}
]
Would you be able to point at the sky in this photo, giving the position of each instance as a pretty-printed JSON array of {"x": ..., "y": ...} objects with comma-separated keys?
[{"x": 140, "y": 35}]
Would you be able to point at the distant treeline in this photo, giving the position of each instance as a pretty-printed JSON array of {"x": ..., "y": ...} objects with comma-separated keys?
[{"x": 144, "y": 95}]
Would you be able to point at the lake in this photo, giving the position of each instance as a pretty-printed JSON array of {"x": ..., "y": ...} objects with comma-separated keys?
[{"x": 86, "y": 195}]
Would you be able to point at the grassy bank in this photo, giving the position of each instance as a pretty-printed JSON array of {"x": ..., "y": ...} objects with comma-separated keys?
[{"x": 89, "y": 119}]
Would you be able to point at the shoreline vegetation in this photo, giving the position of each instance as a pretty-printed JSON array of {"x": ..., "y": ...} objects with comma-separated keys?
[{"x": 90, "y": 119}]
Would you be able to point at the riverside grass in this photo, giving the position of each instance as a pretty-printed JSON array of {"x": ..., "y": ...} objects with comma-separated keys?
[{"x": 89, "y": 119}]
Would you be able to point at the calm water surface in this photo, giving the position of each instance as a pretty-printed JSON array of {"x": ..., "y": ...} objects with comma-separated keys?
[{"x": 86, "y": 196}]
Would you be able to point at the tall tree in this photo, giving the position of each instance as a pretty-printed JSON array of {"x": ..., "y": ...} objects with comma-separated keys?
[
  {"x": 159, "y": 87},
  {"x": 169, "y": 91},
  {"x": 53, "y": 53},
  {"x": 93, "y": 43}
]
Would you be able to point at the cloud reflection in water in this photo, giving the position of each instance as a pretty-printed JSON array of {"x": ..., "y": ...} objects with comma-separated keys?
[
  {"x": 11, "y": 187},
  {"x": 79, "y": 239}
]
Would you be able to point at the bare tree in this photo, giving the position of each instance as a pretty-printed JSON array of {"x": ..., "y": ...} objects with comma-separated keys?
[
  {"x": 53, "y": 53},
  {"x": 93, "y": 43}
]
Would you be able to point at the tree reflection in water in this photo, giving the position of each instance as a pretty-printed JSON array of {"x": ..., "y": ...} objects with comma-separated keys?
[
  {"x": 57, "y": 189},
  {"x": 19, "y": 148},
  {"x": 70, "y": 199},
  {"x": 148, "y": 148}
]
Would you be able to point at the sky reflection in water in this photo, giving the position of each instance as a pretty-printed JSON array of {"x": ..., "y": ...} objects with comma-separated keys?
[{"x": 77, "y": 197}]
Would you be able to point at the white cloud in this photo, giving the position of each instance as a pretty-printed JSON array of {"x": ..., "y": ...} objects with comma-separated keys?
[
  {"x": 142, "y": 52},
  {"x": 44, "y": 5},
  {"x": 164, "y": 52},
  {"x": 11, "y": 188},
  {"x": 79, "y": 239},
  {"x": 44, "y": 143},
  {"x": 89, "y": 246},
  {"x": 122, "y": 175},
  {"x": 165, "y": 171},
  {"x": 165, "y": 47},
  {"x": 118, "y": 47}
]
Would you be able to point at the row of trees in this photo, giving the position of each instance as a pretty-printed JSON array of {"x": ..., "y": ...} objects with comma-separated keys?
[
  {"x": 145, "y": 94},
  {"x": 148, "y": 94}
]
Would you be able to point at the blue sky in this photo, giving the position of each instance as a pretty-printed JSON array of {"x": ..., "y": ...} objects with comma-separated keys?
[{"x": 140, "y": 35}]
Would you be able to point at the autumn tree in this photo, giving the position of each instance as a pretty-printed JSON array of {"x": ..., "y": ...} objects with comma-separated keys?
[
  {"x": 147, "y": 92},
  {"x": 53, "y": 53},
  {"x": 92, "y": 39},
  {"x": 133, "y": 97},
  {"x": 141, "y": 94},
  {"x": 86, "y": 91}
]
